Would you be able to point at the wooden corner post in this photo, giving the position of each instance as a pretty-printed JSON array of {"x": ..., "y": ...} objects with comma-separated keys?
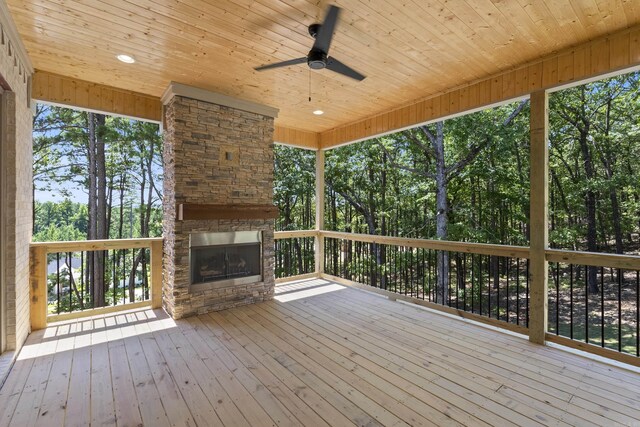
[
  {"x": 38, "y": 287},
  {"x": 156, "y": 274},
  {"x": 319, "y": 241},
  {"x": 538, "y": 223}
]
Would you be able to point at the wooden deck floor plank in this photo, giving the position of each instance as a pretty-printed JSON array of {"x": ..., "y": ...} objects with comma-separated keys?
[
  {"x": 173, "y": 402},
  {"x": 366, "y": 331},
  {"x": 78, "y": 412},
  {"x": 261, "y": 348},
  {"x": 126, "y": 406},
  {"x": 323, "y": 355},
  {"x": 146, "y": 392},
  {"x": 28, "y": 406},
  {"x": 532, "y": 355},
  {"x": 378, "y": 393},
  {"x": 14, "y": 385},
  {"x": 551, "y": 395},
  {"x": 482, "y": 395},
  {"x": 345, "y": 357},
  {"x": 466, "y": 358},
  {"x": 290, "y": 400},
  {"x": 556, "y": 379},
  {"x": 200, "y": 408},
  {"x": 54, "y": 400},
  {"x": 220, "y": 386},
  {"x": 288, "y": 355},
  {"x": 274, "y": 372},
  {"x": 389, "y": 371}
]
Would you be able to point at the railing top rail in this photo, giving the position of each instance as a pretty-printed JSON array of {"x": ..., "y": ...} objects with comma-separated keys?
[
  {"x": 466, "y": 247},
  {"x": 294, "y": 233},
  {"x": 96, "y": 245},
  {"x": 628, "y": 262}
]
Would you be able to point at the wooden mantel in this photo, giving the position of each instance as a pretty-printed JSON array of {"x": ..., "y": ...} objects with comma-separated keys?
[{"x": 192, "y": 211}]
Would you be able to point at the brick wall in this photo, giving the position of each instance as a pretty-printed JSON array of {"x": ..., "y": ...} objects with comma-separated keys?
[
  {"x": 17, "y": 193},
  {"x": 196, "y": 170}
]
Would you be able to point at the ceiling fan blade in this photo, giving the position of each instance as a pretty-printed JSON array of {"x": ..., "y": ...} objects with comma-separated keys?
[
  {"x": 325, "y": 34},
  {"x": 282, "y": 64},
  {"x": 337, "y": 66}
]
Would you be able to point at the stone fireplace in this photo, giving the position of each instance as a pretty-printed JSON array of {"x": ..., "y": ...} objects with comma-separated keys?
[{"x": 218, "y": 208}]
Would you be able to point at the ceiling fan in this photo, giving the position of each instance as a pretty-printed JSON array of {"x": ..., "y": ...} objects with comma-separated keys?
[{"x": 318, "y": 57}]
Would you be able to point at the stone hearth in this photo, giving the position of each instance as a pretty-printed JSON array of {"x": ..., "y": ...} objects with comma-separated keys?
[{"x": 217, "y": 151}]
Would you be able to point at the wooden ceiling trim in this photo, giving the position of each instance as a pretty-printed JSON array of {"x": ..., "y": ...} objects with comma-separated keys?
[
  {"x": 615, "y": 52},
  {"x": 76, "y": 93}
]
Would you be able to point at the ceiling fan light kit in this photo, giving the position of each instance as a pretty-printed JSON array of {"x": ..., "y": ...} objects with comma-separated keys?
[{"x": 318, "y": 57}]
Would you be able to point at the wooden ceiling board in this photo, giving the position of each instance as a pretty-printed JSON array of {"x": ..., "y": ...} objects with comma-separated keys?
[{"x": 409, "y": 49}]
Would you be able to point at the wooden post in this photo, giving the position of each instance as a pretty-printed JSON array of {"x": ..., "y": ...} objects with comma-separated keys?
[
  {"x": 156, "y": 274},
  {"x": 538, "y": 223},
  {"x": 319, "y": 240},
  {"x": 38, "y": 287}
]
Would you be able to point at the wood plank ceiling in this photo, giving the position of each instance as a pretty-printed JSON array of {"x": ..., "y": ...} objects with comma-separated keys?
[{"x": 409, "y": 49}]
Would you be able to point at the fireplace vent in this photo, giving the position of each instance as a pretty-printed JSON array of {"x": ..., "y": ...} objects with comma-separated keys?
[{"x": 220, "y": 260}]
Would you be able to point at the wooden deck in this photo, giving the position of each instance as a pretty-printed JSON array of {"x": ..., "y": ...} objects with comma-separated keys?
[{"x": 320, "y": 354}]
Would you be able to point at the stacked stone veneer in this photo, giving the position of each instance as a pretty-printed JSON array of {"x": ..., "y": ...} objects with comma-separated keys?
[{"x": 198, "y": 135}]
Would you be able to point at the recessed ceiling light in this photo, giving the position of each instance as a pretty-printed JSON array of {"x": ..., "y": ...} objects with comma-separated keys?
[
  {"x": 126, "y": 59},
  {"x": 318, "y": 112}
]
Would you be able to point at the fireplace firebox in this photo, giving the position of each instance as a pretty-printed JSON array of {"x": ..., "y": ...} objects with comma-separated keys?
[{"x": 225, "y": 259}]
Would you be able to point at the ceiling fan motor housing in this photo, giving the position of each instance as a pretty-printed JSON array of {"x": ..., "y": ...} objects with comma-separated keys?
[{"x": 317, "y": 59}]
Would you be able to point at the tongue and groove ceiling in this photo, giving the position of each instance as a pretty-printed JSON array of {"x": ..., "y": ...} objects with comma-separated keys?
[{"x": 408, "y": 49}]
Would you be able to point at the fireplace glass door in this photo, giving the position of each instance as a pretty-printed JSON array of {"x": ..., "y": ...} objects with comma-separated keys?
[{"x": 226, "y": 258}]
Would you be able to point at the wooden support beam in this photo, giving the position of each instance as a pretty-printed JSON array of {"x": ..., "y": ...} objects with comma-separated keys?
[
  {"x": 319, "y": 241},
  {"x": 156, "y": 274},
  {"x": 38, "y": 287},
  {"x": 538, "y": 223}
]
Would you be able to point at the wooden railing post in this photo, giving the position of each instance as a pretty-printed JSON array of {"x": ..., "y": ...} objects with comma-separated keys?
[
  {"x": 538, "y": 223},
  {"x": 319, "y": 239},
  {"x": 38, "y": 289},
  {"x": 156, "y": 274}
]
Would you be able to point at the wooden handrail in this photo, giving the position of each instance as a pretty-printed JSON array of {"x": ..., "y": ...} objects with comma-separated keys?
[
  {"x": 628, "y": 262},
  {"x": 97, "y": 245},
  {"x": 478, "y": 248},
  {"x": 38, "y": 276},
  {"x": 296, "y": 233}
]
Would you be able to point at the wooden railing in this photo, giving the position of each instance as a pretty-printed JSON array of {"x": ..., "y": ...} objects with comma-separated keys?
[
  {"x": 491, "y": 284},
  {"x": 84, "y": 278},
  {"x": 294, "y": 254}
]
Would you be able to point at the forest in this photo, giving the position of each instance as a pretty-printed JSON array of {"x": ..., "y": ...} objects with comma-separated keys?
[{"x": 106, "y": 175}]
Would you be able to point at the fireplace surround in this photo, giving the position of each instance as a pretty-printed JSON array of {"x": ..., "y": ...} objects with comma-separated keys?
[{"x": 218, "y": 181}]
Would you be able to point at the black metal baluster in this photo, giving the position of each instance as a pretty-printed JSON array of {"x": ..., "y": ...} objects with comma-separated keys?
[
  {"x": 82, "y": 276},
  {"x": 115, "y": 280},
  {"x": 637, "y": 312},
  {"x": 507, "y": 260},
  {"x": 571, "y": 300},
  {"x": 70, "y": 287},
  {"x": 473, "y": 263},
  {"x": 58, "y": 281},
  {"x": 602, "y": 306},
  {"x": 557, "y": 298},
  {"x": 586, "y": 304},
  {"x": 480, "y": 282},
  {"x": 464, "y": 281},
  {"x": 517, "y": 291},
  {"x": 619, "y": 309},
  {"x": 489, "y": 285},
  {"x": 527, "y": 295}
]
